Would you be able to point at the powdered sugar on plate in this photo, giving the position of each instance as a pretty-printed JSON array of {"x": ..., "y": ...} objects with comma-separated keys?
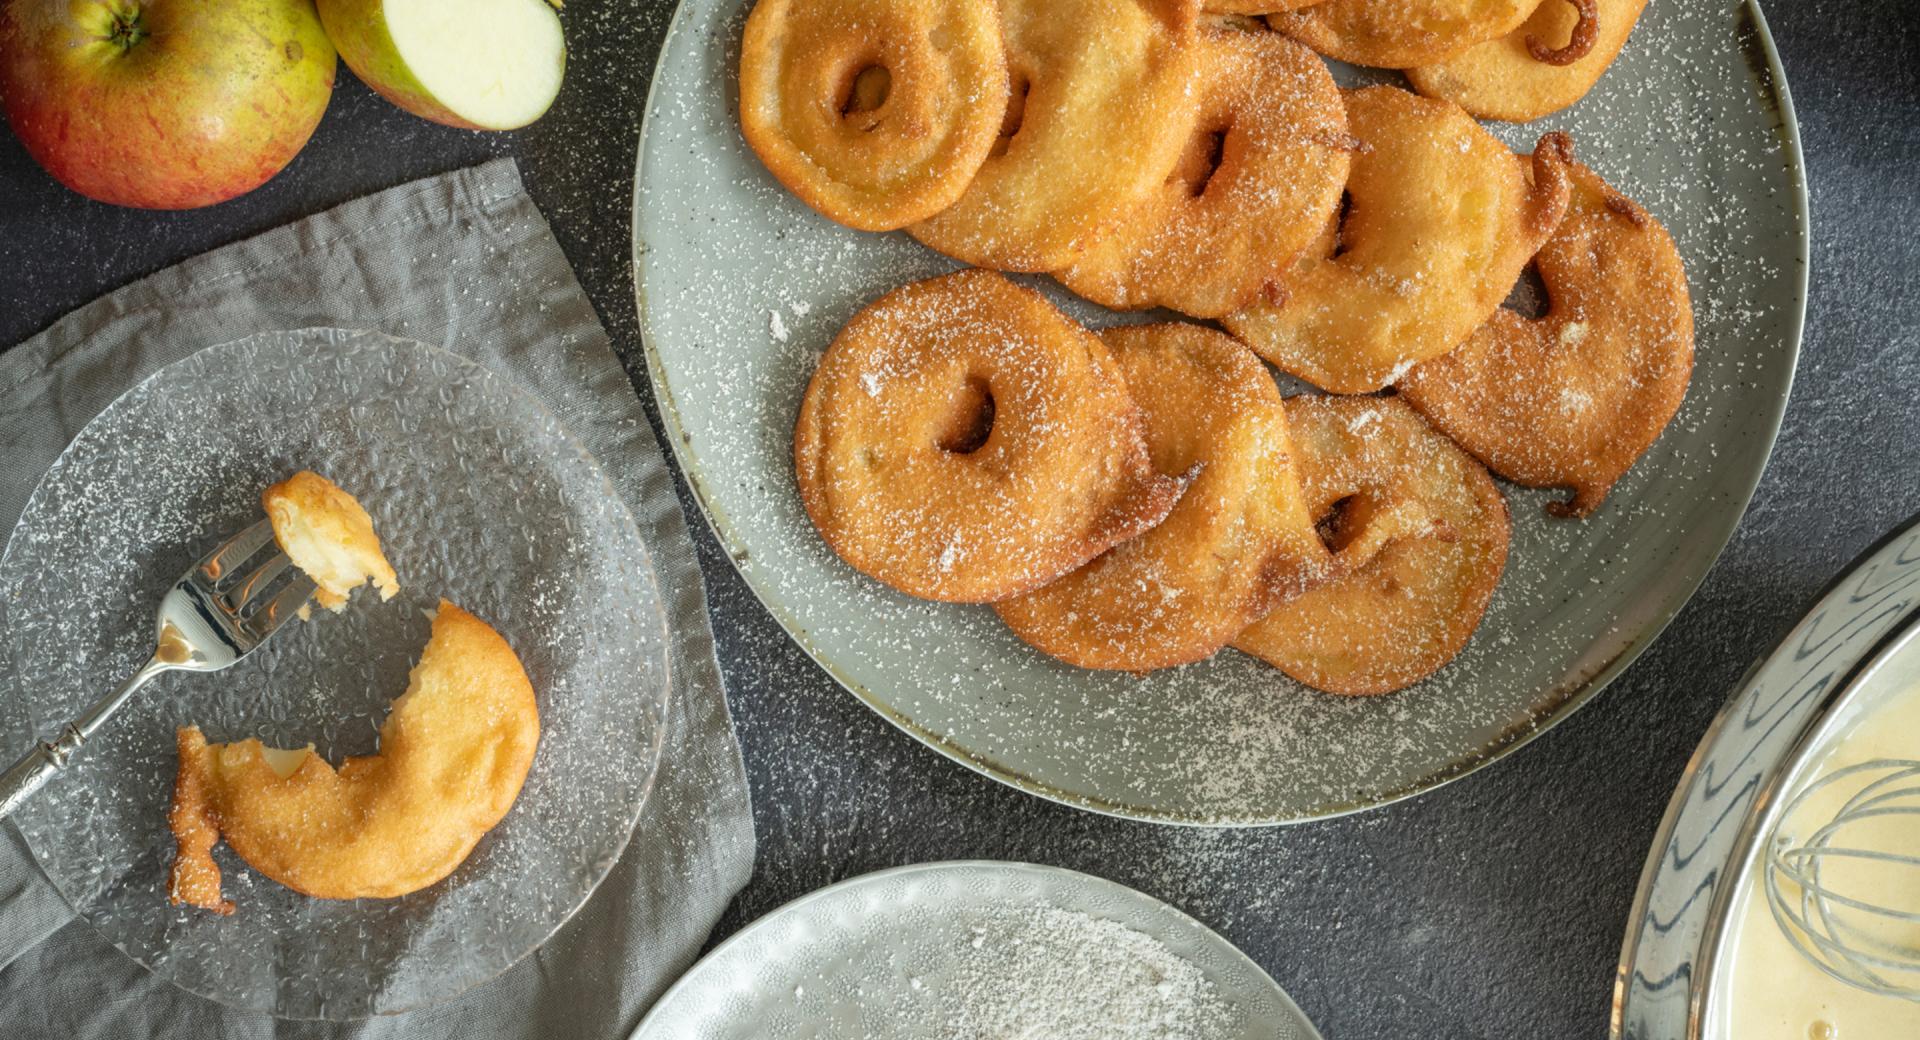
[{"x": 1045, "y": 973}]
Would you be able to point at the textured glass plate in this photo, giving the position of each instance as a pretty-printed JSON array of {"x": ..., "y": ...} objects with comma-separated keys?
[
  {"x": 1703, "y": 847},
  {"x": 741, "y": 287},
  {"x": 874, "y": 956},
  {"x": 479, "y": 496}
]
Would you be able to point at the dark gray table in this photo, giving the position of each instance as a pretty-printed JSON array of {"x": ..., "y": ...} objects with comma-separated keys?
[{"x": 1490, "y": 908}]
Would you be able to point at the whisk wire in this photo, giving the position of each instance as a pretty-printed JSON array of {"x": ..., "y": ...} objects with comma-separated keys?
[{"x": 1846, "y": 933}]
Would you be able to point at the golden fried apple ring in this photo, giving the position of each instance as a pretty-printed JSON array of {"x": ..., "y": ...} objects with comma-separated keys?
[
  {"x": 877, "y": 113},
  {"x": 1261, "y": 175},
  {"x": 328, "y": 535},
  {"x": 1399, "y": 34},
  {"x": 1253, "y": 7},
  {"x": 1102, "y": 102},
  {"x": 453, "y": 753},
  {"x": 1508, "y": 79},
  {"x": 1573, "y": 398},
  {"x": 1442, "y": 219},
  {"x": 962, "y": 440},
  {"x": 1239, "y": 542},
  {"x": 1376, "y": 472}
]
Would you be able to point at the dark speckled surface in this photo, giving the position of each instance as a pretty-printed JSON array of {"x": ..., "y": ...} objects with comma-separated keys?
[{"x": 1490, "y": 908}]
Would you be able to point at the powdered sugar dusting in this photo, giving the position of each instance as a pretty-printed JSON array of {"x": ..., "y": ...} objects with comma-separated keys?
[{"x": 1053, "y": 974}]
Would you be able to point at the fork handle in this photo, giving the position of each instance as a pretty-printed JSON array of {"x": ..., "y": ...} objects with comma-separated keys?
[
  {"x": 38, "y": 766},
  {"x": 35, "y": 768}
]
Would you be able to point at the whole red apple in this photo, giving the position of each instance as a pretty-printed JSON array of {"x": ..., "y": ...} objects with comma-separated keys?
[{"x": 163, "y": 104}]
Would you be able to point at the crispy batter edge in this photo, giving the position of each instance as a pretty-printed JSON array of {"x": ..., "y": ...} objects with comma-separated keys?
[{"x": 195, "y": 879}]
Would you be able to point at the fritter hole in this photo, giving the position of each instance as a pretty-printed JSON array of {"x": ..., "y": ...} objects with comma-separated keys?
[
  {"x": 1201, "y": 161},
  {"x": 866, "y": 91},
  {"x": 1016, "y": 112},
  {"x": 971, "y": 422},
  {"x": 1341, "y": 524}
]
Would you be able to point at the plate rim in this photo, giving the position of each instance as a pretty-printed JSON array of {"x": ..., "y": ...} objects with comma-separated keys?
[
  {"x": 1463, "y": 763},
  {"x": 625, "y": 514},
  {"x": 1012, "y": 867},
  {"x": 1789, "y": 129}
]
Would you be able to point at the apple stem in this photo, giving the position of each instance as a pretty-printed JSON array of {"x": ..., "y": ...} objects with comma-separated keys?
[{"x": 127, "y": 30}]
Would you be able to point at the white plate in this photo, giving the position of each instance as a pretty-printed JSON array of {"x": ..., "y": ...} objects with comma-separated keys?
[
  {"x": 885, "y": 957},
  {"x": 741, "y": 287}
]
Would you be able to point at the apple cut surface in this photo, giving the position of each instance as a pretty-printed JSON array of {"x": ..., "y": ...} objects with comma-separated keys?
[{"x": 478, "y": 64}]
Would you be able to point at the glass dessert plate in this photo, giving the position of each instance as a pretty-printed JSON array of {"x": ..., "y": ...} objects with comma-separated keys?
[{"x": 480, "y": 496}]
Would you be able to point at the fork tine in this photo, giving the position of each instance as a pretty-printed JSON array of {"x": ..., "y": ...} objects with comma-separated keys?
[
  {"x": 254, "y": 582},
  {"x": 235, "y": 551},
  {"x": 275, "y": 612}
]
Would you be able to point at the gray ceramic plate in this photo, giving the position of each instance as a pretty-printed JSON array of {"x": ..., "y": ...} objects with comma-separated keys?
[
  {"x": 1852, "y": 646},
  {"x": 741, "y": 287},
  {"x": 888, "y": 956}
]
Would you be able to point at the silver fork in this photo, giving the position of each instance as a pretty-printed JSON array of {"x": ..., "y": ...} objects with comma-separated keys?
[{"x": 214, "y": 615}]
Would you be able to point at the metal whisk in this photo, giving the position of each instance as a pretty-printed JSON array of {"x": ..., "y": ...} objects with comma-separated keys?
[{"x": 1852, "y": 908}]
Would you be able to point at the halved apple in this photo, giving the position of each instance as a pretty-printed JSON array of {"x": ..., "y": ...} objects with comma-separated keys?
[{"x": 478, "y": 64}]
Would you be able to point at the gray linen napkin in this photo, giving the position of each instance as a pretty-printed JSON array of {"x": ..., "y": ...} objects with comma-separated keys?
[{"x": 466, "y": 262}]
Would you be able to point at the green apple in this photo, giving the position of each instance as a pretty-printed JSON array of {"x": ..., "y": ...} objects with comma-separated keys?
[
  {"x": 163, "y": 104},
  {"x": 479, "y": 64}
]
